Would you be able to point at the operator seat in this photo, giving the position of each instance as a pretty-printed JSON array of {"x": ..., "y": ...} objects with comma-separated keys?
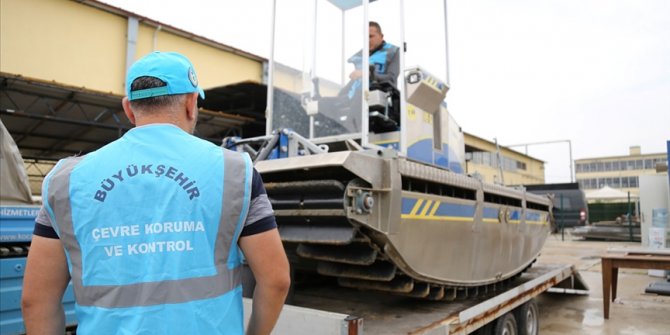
[
  {"x": 384, "y": 108},
  {"x": 384, "y": 105}
]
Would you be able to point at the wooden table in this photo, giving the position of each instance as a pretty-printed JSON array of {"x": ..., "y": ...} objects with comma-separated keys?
[{"x": 612, "y": 263}]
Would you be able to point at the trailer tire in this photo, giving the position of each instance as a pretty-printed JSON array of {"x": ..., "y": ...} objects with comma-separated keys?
[
  {"x": 506, "y": 325},
  {"x": 527, "y": 317}
]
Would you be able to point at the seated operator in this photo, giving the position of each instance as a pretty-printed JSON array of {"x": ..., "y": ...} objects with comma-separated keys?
[
  {"x": 383, "y": 56},
  {"x": 384, "y": 60}
]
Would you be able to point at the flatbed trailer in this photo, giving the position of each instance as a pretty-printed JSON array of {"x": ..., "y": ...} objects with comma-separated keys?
[{"x": 325, "y": 309}]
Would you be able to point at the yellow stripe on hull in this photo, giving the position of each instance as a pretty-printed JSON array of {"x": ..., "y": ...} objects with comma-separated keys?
[
  {"x": 416, "y": 207},
  {"x": 537, "y": 222},
  {"x": 437, "y": 218}
]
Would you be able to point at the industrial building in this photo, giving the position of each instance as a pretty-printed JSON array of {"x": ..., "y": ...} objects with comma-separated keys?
[
  {"x": 70, "y": 102},
  {"x": 501, "y": 165},
  {"x": 618, "y": 172}
]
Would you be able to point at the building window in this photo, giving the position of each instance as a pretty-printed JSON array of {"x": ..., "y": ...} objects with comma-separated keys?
[
  {"x": 639, "y": 164},
  {"x": 491, "y": 159},
  {"x": 616, "y": 182},
  {"x": 624, "y": 182},
  {"x": 648, "y": 164},
  {"x": 584, "y": 184},
  {"x": 592, "y": 167},
  {"x": 631, "y": 165},
  {"x": 615, "y": 166},
  {"x": 632, "y": 181}
]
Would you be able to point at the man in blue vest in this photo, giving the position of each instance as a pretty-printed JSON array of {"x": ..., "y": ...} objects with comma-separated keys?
[
  {"x": 346, "y": 107},
  {"x": 153, "y": 227},
  {"x": 383, "y": 57}
]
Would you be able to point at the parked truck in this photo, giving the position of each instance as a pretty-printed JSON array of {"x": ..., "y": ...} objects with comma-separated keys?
[
  {"x": 17, "y": 220},
  {"x": 570, "y": 206}
]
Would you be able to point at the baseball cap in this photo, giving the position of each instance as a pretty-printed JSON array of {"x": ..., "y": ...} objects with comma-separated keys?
[{"x": 171, "y": 67}]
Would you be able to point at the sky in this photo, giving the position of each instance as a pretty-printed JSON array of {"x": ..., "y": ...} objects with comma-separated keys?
[{"x": 592, "y": 76}]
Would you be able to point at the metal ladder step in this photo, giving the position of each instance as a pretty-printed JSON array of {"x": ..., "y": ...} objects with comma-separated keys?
[
  {"x": 379, "y": 271},
  {"x": 420, "y": 290},
  {"x": 319, "y": 234},
  {"x": 436, "y": 293},
  {"x": 354, "y": 253},
  {"x": 399, "y": 284}
]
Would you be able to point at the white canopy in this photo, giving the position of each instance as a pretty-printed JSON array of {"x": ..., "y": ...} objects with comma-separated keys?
[{"x": 608, "y": 193}]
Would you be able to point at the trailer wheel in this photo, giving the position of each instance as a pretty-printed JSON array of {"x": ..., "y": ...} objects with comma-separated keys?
[
  {"x": 527, "y": 317},
  {"x": 506, "y": 325}
]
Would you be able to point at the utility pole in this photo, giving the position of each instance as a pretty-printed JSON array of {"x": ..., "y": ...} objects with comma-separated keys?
[{"x": 499, "y": 159}]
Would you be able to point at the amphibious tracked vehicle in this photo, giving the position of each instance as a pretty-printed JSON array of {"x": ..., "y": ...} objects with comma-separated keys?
[{"x": 367, "y": 180}]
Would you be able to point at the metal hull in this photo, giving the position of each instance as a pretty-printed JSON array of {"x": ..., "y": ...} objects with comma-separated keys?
[{"x": 387, "y": 223}]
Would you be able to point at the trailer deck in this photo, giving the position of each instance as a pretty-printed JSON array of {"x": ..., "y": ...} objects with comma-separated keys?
[{"x": 391, "y": 314}]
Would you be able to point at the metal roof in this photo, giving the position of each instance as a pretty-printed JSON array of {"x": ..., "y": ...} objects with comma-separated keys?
[{"x": 49, "y": 121}]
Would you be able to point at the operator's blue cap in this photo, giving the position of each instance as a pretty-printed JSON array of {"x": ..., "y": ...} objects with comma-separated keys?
[{"x": 171, "y": 67}]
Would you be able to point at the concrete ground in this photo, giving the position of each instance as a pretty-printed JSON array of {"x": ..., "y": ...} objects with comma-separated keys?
[{"x": 633, "y": 312}]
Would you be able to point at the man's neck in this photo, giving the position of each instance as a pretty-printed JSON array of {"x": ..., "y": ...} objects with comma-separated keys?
[
  {"x": 164, "y": 119},
  {"x": 379, "y": 47}
]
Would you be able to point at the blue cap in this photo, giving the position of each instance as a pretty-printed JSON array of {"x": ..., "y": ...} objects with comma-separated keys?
[{"x": 171, "y": 67}]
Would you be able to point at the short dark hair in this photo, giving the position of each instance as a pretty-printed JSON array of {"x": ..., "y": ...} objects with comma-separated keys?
[
  {"x": 376, "y": 25},
  {"x": 152, "y": 103}
]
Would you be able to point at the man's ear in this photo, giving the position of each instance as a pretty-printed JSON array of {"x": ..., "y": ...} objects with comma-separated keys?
[
  {"x": 192, "y": 106},
  {"x": 126, "y": 108}
]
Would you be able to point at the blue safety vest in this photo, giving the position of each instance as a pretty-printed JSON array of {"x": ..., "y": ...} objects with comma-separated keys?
[
  {"x": 380, "y": 59},
  {"x": 150, "y": 233}
]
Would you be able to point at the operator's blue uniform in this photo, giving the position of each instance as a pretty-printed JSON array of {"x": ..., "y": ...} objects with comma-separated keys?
[
  {"x": 343, "y": 113},
  {"x": 155, "y": 200},
  {"x": 384, "y": 58}
]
